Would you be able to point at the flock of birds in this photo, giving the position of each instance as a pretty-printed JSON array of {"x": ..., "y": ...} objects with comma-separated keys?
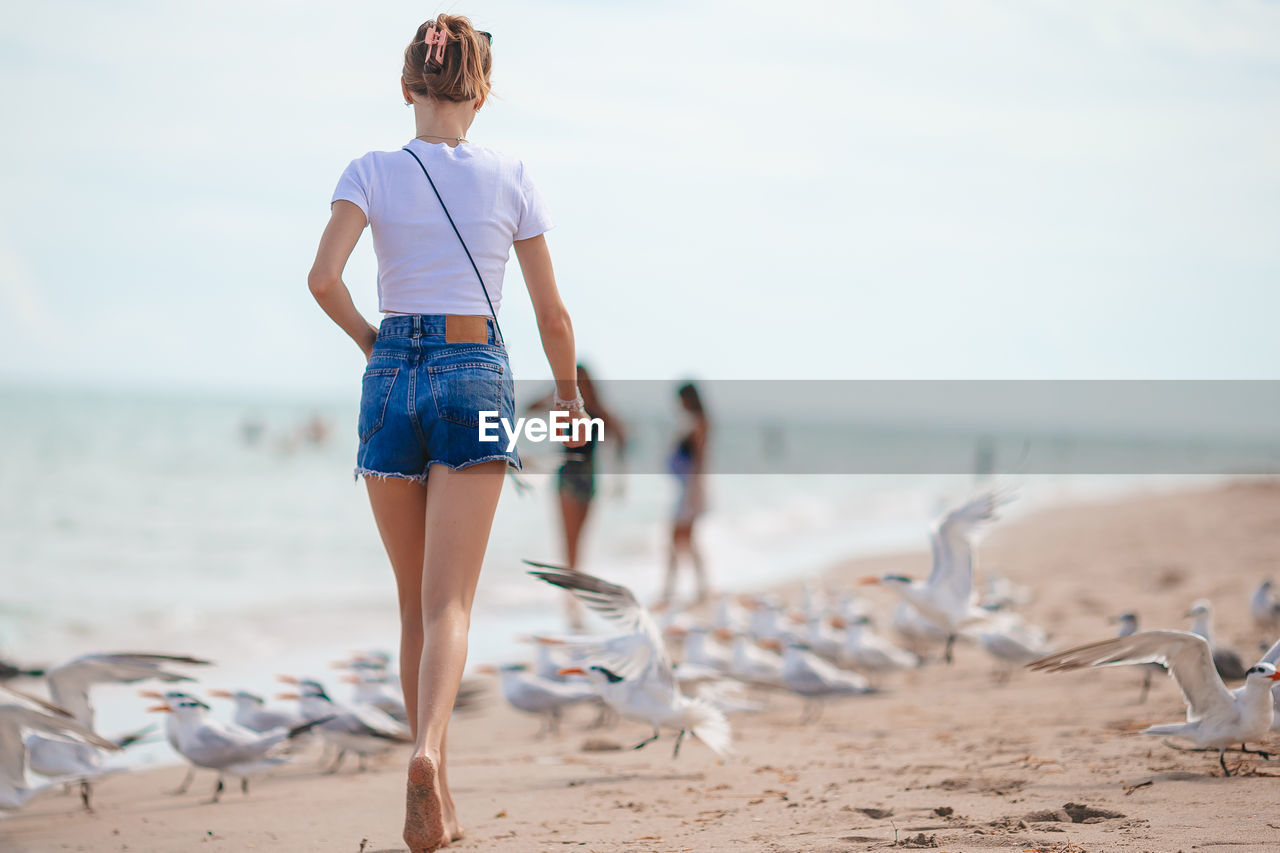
[{"x": 748, "y": 647}]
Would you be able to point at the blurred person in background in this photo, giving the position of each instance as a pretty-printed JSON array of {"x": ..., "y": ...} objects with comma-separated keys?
[
  {"x": 576, "y": 481},
  {"x": 688, "y": 463}
]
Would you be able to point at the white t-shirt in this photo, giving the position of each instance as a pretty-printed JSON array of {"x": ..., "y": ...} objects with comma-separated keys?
[{"x": 422, "y": 268}]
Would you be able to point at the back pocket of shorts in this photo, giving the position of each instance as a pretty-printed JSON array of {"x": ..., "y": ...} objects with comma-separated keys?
[
  {"x": 375, "y": 391},
  {"x": 463, "y": 389}
]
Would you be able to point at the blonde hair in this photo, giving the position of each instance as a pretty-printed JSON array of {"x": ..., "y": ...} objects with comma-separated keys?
[{"x": 463, "y": 74}]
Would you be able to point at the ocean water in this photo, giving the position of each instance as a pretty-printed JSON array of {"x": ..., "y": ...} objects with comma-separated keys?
[{"x": 232, "y": 529}]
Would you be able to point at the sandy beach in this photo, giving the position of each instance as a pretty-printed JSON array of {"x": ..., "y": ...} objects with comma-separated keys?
[{"x": 945, "y": 758}]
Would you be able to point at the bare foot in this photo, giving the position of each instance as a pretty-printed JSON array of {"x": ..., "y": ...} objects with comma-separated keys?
[
  {"x": 453, "y": 829},
  {"x": 451, "y": 826},
  {"x": 424, "y": 829}
]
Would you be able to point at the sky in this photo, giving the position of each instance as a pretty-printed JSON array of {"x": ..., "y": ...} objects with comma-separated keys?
[{"x": 862, "y": 190}]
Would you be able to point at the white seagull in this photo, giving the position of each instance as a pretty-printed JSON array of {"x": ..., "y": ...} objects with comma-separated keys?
[
  {"x": 1128, "y": 623},
  {"x": 531, "y": 693},
  {"x": 867, "y": 651},
  {"x": 1011, "y": 640},
  {"x": 1265, "y": 610},
  {"x": 252, "y": 712},
  {"x": 363, "y": 729},
  {"x": 1216, "y": 717},
  {"x": 1227, "y": 662},
  {"x": 69, "y": 686},
  {"x": 1273, "y": 657},
  {"x": 918, "y": 632},
  {"x": 226, "y": 748},
  {"x": 815, "y": 679},
  {"x": 21, "y": 713},
  {"x": 947, "y": 597},
  {"x": 637, "y": 678}
]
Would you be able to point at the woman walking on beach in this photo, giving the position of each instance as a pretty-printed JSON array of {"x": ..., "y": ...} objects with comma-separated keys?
[
  {"x": 688, "y": 464},
  {"x": 444, "y": 214}
]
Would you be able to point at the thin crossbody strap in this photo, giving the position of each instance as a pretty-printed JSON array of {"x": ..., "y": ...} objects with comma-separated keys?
[{"x": 479, "y": 277}]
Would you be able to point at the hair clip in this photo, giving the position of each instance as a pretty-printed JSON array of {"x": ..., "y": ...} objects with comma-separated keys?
[{"x": 439, "y": 38}]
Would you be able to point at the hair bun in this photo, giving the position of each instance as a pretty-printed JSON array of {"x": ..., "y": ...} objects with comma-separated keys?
[{"x": 448, "y": 60}]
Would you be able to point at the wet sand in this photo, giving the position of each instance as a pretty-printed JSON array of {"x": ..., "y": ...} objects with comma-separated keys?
[{"x": 944, "y": 759}]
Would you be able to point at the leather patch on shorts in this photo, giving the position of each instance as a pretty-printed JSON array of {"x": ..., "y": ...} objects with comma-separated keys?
[{"x": 466, "y": 329}]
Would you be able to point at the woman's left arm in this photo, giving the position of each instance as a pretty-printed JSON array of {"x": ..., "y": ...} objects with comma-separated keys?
[{"x": 346, "y": 223}]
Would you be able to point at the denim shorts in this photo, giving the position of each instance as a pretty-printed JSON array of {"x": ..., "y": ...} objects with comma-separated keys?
[{"x": 420, "y": 400}]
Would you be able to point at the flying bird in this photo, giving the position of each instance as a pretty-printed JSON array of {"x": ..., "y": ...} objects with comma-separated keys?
[
  {"x": 633, "y": 673},
  {"x": 947, "y": 597},
  {"x": 19, "y": 713}
]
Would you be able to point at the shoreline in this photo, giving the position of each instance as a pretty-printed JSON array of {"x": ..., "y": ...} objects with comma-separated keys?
[{"x": 943, "y": 753}]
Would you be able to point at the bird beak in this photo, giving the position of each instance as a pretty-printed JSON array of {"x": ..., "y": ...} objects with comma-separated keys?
[
  {"x": 349, "y": 679},
  {"x": 724, "y": 634},
  {"x": 222, "y": 694},
  {"x": 770, "y": 643},
  {"x": 838, "y": 623},
  {"x": 340, "y": 664},
  {"x": 288, "y": 696},
  {"x": 1275, "y": 676},
  {"x": 487, "y": 669},
  {"x": 159, "y": 708},
  {"x": 547, "y": 641},
  {"x": 869, "y": 580},
  {"x": 571, "y": 670},
  {"x": 287, "y": 679},
  {"x": 676, "y": 631},
  {"x": 151, "y": 694}
]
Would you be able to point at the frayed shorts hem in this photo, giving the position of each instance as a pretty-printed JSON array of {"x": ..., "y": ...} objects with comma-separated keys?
[{"x": 361, "y": 471}]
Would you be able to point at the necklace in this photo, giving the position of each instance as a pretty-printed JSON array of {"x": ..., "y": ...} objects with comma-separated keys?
[{"x": 433, "y": 136}]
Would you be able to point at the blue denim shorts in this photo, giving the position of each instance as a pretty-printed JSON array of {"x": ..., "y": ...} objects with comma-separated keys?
[{"x": 420, "y": 400}]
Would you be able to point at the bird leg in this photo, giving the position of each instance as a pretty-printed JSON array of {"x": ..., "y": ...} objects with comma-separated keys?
[
  {"x": 337, "y": 762},
  {"x": 679, "y": 738},
  {"x": 244, "y": 785},
  {"x": 186, "y": 783},
  {"x": 85, "y": 791},
  {"x": 553, "y": 721},
  {"x": 642, "y": 744},
  {"x": 217, "y": 792},
  {"x": 1146, "y": 687},
  {"x": 1223, "y": 761},
  {"x": 1265, "y": 755},
  {"x": 946, "y": 655}
]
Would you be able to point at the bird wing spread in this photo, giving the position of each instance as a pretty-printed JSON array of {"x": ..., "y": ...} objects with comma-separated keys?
[
  {"x": 952, "y": 575},
  {"x": 617, "y": 604},
  {"x": 1186, "y": 655}
]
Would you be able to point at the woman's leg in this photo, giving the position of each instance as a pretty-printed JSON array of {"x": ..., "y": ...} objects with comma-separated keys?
[
  {"x": 459, "y": 515},
  {"x": 573, "y": 512},
  {"x": 699, "y": 568},
  {"x": 400, "y": 511},
  {"x": 679, "y": 542}
]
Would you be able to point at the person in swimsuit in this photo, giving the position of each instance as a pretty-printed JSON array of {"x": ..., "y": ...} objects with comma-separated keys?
[
  {"x": 434, "y": 363},
  {"x": 576, "y": 481},
  {"x": 688, "y": 463}
]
